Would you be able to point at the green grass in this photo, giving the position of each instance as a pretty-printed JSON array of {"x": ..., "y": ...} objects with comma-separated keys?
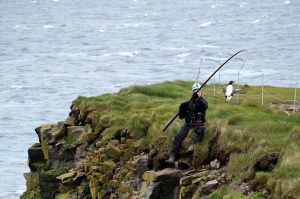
[
  {"x": 246, "y": 128},
  {"x": 70, "y": 139}
]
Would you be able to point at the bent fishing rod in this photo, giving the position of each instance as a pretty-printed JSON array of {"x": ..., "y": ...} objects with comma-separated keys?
[{"x": 203, "y": 86}]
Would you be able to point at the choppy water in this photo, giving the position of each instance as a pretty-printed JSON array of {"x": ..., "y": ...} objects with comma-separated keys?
[{"x": 51, "y": 51}]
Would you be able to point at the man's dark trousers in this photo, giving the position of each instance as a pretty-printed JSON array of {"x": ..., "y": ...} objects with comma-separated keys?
[{"x": 179, "y": 137}]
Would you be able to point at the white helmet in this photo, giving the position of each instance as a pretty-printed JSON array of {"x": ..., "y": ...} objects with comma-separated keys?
[{"x": 196, "y": 87}]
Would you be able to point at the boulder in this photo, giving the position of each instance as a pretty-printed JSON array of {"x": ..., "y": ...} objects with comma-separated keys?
[
  {"x": 44, "y": 134},
  {"x": 48, "y": 184},
  {"x": 124, "y": 190},
  {"x": 186, "y": 180},
  {"x": 113, "y": 184},
  {"x": 107, "y": 166},
  {"x": 70, "y": 121},
  {"x": 66, "y": 177},
  {"x": 36, "y": 160},
  {"x": 61, "y": 154},
  {"x": 215, "y": 164},
  {"x": 210, "y": 186},
  {"x": 161, "y": 184},
  {"x": 76, "y": 132},
  {"x": 57, "y": 132},
  {"x": 35, "y": 153},
  {"x": 140, "y": 166},
  {"x": 187, "y": 192},
  {"x": 32, "y": 180},
  {"x": 113, "y": 152}
]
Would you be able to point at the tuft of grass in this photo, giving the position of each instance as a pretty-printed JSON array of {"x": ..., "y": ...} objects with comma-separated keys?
[{"x": 70, "y": 139}]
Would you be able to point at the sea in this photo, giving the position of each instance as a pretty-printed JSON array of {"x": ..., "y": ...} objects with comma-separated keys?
[{"x": 52, "y": 51}]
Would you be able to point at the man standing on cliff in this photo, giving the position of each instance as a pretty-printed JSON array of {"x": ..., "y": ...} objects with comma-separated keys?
[{"x": 194, "y": 114}]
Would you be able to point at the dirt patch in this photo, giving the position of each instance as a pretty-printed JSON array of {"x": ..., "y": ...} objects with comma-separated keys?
[
  {"x": 285, "y": 105},
  {"x": 266, "y": 162}
]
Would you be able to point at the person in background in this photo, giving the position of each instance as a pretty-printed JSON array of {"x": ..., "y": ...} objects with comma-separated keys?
[
  {"x": 229, "y": 91},
  {"x": 194, "y": 114}
]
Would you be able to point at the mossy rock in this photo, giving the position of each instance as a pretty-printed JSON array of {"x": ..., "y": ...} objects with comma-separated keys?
[
  {"x": 32, "y": 194},
  {"x": 35, "y": 153},
  {"x": 70, "y": 121},
  {"x": 107, "y": 166},
  {"x": 113, "y": 184},
  {"x": 66, "y": 177},
  {"x": 149, "y": 176},
  {"x": 32, "y": 180},
  {"x": 37, "y": 166},
  {"x": 113, "y": 152},
  {"x": 44, "y": 134},
  {"x": 48, "y": 183}
]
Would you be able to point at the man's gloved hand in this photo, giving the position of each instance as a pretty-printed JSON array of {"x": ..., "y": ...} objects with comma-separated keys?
[
  {"x": 195, "y": 95},
  {"x": 199, "y": 94}
]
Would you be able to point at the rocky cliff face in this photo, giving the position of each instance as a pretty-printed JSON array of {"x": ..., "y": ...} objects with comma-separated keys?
[
  {"x": 73, "y": 160},
  {"x": 111, "y": 146}
]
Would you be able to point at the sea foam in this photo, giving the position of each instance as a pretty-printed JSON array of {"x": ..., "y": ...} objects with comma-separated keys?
[
  {"x": 124, "y": 54},
  {"x": 48, "y": 26},
  {"x": 183, "y": 55},
  {"x": 255, "y": 21},
  {"x": 205, "y": 24}
]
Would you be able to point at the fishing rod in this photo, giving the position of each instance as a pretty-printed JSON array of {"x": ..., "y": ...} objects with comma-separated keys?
[{"x": 203, "y": 86}]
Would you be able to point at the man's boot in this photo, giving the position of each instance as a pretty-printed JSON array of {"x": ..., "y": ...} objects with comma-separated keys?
[
  {"x": 171, "y": 159},
  {"x": 191, "y": 148}
]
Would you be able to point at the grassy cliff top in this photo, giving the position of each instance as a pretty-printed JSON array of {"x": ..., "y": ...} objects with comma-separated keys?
[{"x": 246, "y": 129}]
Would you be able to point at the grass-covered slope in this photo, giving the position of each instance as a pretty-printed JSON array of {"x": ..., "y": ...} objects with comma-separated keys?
[{"x": 242, "y": 131}]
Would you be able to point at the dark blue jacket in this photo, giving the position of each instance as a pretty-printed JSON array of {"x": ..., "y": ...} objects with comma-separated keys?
[{"x": 193, "y": 111}]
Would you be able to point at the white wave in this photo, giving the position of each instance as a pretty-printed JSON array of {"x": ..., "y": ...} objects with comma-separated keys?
[
  {"x": 183, "y": 55},
  {"x": 33, "y": 2},
  {"x": 129, "y": 25},
  {"x": 101, "y": 30},
  {"x": 125, "y": 54},
  {"x": 255, "y": 21},
  {"x": 55, "y": 0},
  {"x": 205, "y": 24},
  {"x": 16, "y": 86},
  {"x": 173, "y": 48},
  {"x": 71, "y": 55},
  {"x": 287, "y": 2},
  {"x": 48, "y": 26},
  {"x": 17, "y": 26},
  {"x": 214, "y": 58},
  {"x": 107, "y": 55},
  {"x": 216, "y": 5},
  {"x": 208, "y": 46}
]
